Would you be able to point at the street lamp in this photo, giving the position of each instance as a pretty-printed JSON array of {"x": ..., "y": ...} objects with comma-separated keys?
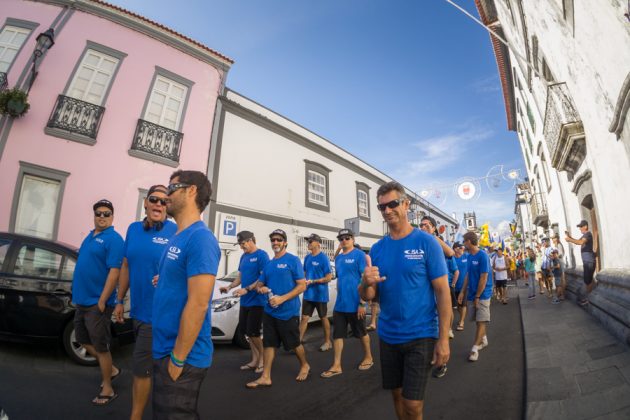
[{"x": 45, "y": 40}]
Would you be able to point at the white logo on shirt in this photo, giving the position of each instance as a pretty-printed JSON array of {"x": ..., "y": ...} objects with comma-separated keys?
[
  {"x": 414, "y": 254},
  {"x": 281, "y": 266},
  {"x": 173, "y": 253},
  {"x": 253, "y": 259},
  {"x": 465, "y": 260},
  {"x": 349, "y": 261},
  {"x": 475, "y": 263},
  {"x": 160, "y": 241},
  {"x": 99, "y": 240},
  {"x": 315, "y": 263}
]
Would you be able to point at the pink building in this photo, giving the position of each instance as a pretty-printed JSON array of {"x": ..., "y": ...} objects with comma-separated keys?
[{"x": 118, "y": 104}]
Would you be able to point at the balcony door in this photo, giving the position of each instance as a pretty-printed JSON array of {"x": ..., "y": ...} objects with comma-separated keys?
[{"x": 93, "y": 77}]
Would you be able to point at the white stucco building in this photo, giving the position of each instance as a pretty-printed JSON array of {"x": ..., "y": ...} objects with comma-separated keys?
[
  {"x": 269, "y": 172},
  {"x": 571, "y": 115}
]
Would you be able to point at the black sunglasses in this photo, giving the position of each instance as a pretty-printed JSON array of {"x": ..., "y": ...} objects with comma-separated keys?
[
  {"x": 154, "y": 200},
  {"x": 277, "y": 240},
  {"x": 174, "y": 187},
  {"x": 102, "y": 213},
  {"x": 345, "y": 238},
  {"x": 392, "y": 204}
]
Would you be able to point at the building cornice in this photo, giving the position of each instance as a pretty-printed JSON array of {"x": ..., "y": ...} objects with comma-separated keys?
[{"x": 147, "y": 27}]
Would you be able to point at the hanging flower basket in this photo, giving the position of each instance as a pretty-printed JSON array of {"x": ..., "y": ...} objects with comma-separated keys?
[{"x": 14, "y": 102}]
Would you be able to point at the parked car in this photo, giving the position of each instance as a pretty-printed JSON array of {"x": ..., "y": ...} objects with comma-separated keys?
[
  {"x": 225, "y": 308},
  {"x": 35, "y": 294}
]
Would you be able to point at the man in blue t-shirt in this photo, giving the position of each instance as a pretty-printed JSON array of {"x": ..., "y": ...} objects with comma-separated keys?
[
  {"x": 350, "y": 309},
  {"x": 282, "y": 281},
  {"x": 409, "y": 278},
  {"x": 461, "y": 258},
  {"x": 93, "y": 284},
  {"x": 252, "y": 263},
  {"x": 478, "y": 282},
  {"x": 144, "y": 245},
  {"x": 318, "y": 275},
  {"x": 182, "y": 345}
]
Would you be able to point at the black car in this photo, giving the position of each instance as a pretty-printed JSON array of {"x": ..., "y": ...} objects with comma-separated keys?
[{"x": 35, "y": 294}]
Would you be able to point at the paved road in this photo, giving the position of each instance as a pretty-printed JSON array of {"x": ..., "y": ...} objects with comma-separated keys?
[{"x": 40, "y": 382}]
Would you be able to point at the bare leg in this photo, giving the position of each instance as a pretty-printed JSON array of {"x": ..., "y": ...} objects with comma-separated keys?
[
  {"x": 269, "y": 354},
  {"x": 257, "y": 351},
  {"x": 304, "y": 326},
  {"x": 326, "y": 325},
  {"x": 304, "y": 366},
  {"x": 140, "y": 392},
  {"x": 367, "y": 351},
  {"x": 462, "y": 314},
  {"x": 406, "y": 409},
  {"x": 481, "y": 331}
]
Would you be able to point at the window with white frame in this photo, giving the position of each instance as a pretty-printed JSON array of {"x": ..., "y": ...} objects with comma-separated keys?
[
  {"x": 37, "y": 206},
  {"x": 92, "y": 78},
  {"x": 362, "y": 200},
  {"x": 11, "y": 40},
  {"x": 166, "y": 103},
  {"x": 316, "y": 188}
]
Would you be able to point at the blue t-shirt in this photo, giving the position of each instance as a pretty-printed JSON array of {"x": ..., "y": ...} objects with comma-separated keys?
[
  {"x": 349, "y": 268},
  {"x": 316, "y": 267},
  {"x": 191, "y": 252},
  {"x": 280, "y": 275},
  {"x": 478, "y": 264},
  {"x": 97, "y": 255},
  {"x": 451, "y": 266},
  {"x": 250, "y": 267},
  {"x": 408, "y": 308},
  {"x": 462, "y": 266},
  {"x": 143, "y": 250}
]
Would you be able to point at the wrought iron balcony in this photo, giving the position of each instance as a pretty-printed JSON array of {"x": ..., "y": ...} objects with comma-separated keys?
[
  {"x": 3, "y": 80},
  {"x": 75, "y": 116},
  {"x": 540, "y": 215},
  {"x": 157, "y": 140},
  {"x": 563, "y": 129}
]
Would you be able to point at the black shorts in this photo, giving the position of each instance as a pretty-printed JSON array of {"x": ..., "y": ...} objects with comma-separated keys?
[
  {"x": 308, "y": 307},
  {"x": 142, "y": 359},
  {"x": 91, "y": 326},
  {"x": 250, "y": 320},
  {"x": 176, "y": 400},
  {"x": 589, "y": 272},
  {"x": 276, "y": 331},
  {"x": 501, "y": 283},
  {"x": 341, "y": 321},
  {"x": 407, "y": 366}
]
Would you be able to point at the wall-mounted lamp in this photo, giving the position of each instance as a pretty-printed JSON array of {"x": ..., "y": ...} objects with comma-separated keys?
[{"x": 45, "y": 41}]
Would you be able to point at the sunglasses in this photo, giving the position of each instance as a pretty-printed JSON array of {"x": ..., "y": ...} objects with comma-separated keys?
[
  {"x": 426, "y": 225},
  {"x": 102, "y": 213},
  {"x": 345, "y": 238},
  {"x": 276, "y": 240},
  {"x": 392, "y": 204},
  {"x": 154, "y": 200},
  {"x": 174, "y": 187}
]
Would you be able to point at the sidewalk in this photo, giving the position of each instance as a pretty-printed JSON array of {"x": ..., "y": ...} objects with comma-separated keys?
[{"x": 575, "y": 369}]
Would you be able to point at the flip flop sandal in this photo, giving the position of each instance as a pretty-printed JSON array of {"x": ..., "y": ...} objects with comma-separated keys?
[
  {"x": 248, "y": 367},
  {"x": 259, "y": 369},
  {"x": 330, "y": 373},
  {"x": 365, "y": 366},
  {"x": 254, "y": 385},
  {"x": 107, "y": 399},
  {"x": 325, "y": 347},
  {"x": 460, "y": 328}
]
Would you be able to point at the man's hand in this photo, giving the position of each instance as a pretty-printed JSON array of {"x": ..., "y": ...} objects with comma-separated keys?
[
  {"x": 173, "y": 371},
  {"x": 118, "y": 313},
  {"x": 263, "y": 290},
  {"x": 361, "y": 312},
  {"x": 239, "y": 292},
  {"x": 441, "y": 352},
  {"x": 101, "y": 305},
  {"x": 224, "y": 289},
  {"x": 371, "y": 276},
  {"x": 460, "y": 297},
  {"x": 276, "y": 301}
]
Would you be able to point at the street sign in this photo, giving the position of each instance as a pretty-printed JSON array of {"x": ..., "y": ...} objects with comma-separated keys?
[
  {"x": 228, "y": 227},
  {"x": 353, "y": 225}
]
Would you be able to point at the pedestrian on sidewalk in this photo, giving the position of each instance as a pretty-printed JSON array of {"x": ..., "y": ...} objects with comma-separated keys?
[
  {"x": 479, "y": 283},
  {"x": 93, "y": 293},
  {"x": 144, "y": 245},
  {"x": 529, "y": 265},
  {"x": 252, "y": 262},
  {"x": 350, "y": 309},
  {"x": 282, "y": 280},
  {"x": 556, "y": 270},
  {"x": 546, "y": 268},
  {"x": 409, "y": 277},
  {"x": 182, "y": 344},
  {"x": 461, "y": 258},
  {"x": 500, "y": 268},
  {"x": 588, "y": 257},
  {"x": 539, "y": 271},
  {"x": 318, "y": 275}
]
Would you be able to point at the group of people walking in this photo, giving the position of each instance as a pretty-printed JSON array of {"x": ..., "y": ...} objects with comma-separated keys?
[{"x": 170, "y": 269}]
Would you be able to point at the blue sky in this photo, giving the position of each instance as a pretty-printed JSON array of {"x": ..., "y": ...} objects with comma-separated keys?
[{"x": 410, "y": 87}]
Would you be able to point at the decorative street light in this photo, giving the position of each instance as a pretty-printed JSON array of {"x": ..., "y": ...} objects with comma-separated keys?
[{"x": 45, "y": 41}]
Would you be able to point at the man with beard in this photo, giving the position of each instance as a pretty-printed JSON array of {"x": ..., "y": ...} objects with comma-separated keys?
[
  {"x": 144, "y": 245},
  {"x": 282, "y": 280},
  {"x": 409, "y": 277},
  {"x": 182, "y": 345}
]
